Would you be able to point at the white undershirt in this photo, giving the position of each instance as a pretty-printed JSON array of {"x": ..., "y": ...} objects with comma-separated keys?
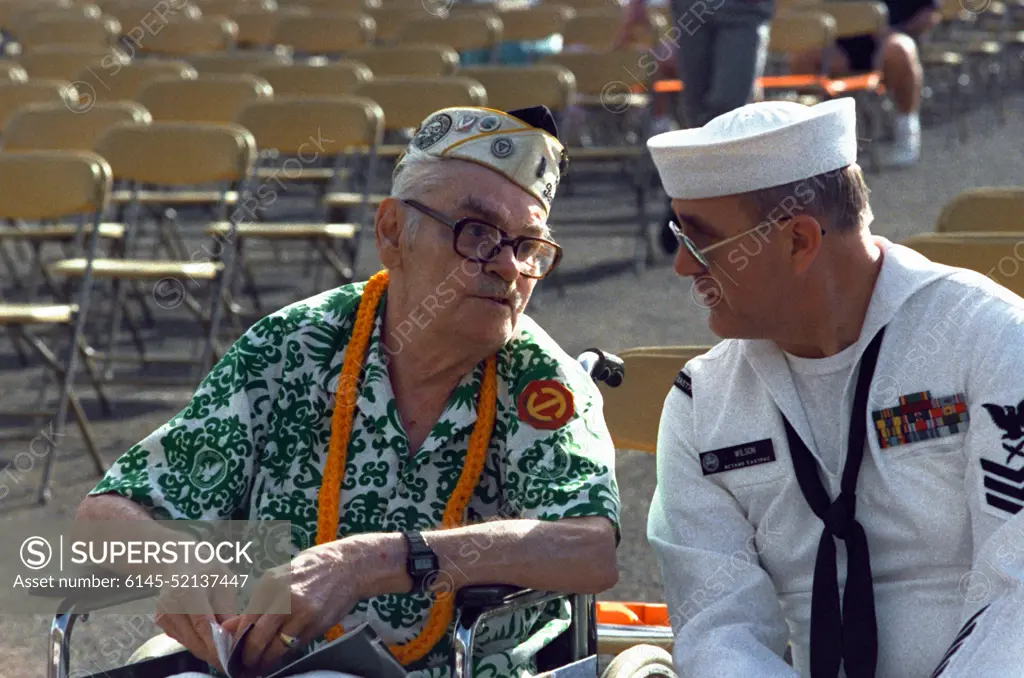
[{"x": 820, "y": 383}]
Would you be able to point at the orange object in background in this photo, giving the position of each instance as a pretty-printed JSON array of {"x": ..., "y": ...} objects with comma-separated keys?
[{"x": 632, "y": 614}]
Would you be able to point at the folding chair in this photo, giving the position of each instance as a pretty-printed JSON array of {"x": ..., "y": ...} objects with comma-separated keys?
[
  {"x": 594, "y": 29},
  {"x": 11, "y": 71},
  {"x": 235, "y": 62},
  {"x": 984, "y": 209},
  {"x": 343, "y": 131},
  {"x": 633, "y": 409},
  {"x": 184, "y": 37},
  {"x": 214, "y": 97},
  {"x": 177, "y": 156},
  {"x": 335, "y": 78},
  {"x": 55, "y": 127},
  {"x": 19, "y": 15},
  {"x": 605, "y": 132},
  {"x": 13, "y": 95},
  {"x": 49, "y": 185},
  {"x": 999, "y": 256},
  {"x": 63, "y": 62},
  {"x": 406, "y": 102},
  {"x": 124, "y": 81},
  {"x": 511, "y": 87},
  {"x": 69, "y": 29},
  {"x": 534, "y": 24},
  {"x": 416, "y": 60},
  {"x": 140, "y": 19},
  {"x": 795, "y": 32},
  {"x": 324, "y": 34},
  {"x": 256, "y": 26},
  {"x": 462, "y": 32},
  {"x": 390, "y": 20}
]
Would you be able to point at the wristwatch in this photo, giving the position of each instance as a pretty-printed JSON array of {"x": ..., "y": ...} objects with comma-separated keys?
[{"x": 421, "y": 562}]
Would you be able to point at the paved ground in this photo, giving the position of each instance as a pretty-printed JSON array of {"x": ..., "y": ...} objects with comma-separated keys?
[{"x": 604, "y": 304}]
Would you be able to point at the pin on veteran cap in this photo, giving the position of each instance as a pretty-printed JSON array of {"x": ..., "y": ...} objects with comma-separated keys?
[{"x": 521, "y": 144}]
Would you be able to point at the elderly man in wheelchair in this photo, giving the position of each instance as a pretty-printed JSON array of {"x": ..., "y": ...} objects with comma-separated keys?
[{"x": 414, "y": 429}]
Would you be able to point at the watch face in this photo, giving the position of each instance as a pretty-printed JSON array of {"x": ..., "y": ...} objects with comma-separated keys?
[{"x": 425, "y": 563}]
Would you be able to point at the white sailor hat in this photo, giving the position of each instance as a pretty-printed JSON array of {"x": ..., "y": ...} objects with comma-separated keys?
[
  {"x": 757, "y": 146},
  {"x": 521, "y": 144}
]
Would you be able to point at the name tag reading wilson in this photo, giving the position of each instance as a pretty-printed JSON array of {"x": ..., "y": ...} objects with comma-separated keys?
[{"x": 737, "y": 456}]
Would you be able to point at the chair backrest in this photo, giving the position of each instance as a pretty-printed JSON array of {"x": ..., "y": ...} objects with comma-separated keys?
[
  {"x": 14, "y": 95},
  {"x": 12, "y": 71},
  {"x": 69, "y": 30},
  {"x": 984, "y": 209},
  {"x": 233, "y": 62},
  {"x": 999, "y": 256},
  {"x": 857, "y": 17},
  {"x": 407, "y": 101},
  {"x": 314, "y": 127},
  {"x": 124, "y": 81},
  {"x": 390, "y": 20},
  {"x": 208, "y": 98},
  {"x": 179, "y": 153},
  {"x": 185, "y": 37},
  {"x": 324, "y": 33},
  {"x": 594, "y": 70},
  {"x": 12, "y": 11},
  {"x": 20, "y": 15},
  {"x": 140, "y": 22},
  {"x": 302, "y": 79},
  {"x": 633, "y": 409},
  {"x": 595, "y": 29},
  {"x": 534, "y": 23},
  {"x": 333, "y": 5},
  {"x": 801, "y": 30},
  {"x": 510, "y": 87},
  {"x": 459, "y": 31},
  {"x": 57, "y": 127},
  {"x": 428, "y": 60},
  {"x": 256, "y": 25},
  {"x": 226, "y": 8},
  {"x": 43, "y": 185},
  {"x": 585, "y": 5},
  {"x": 63, "y": 62}
]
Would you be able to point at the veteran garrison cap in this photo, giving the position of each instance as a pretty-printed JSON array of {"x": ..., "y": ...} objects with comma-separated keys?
[{"x": 521, "y": 144}]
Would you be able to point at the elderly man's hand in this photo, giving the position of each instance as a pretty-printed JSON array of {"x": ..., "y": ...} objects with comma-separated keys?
[
  {"x": 325, "y": 585},
  {"x": 186, "y": 609}
]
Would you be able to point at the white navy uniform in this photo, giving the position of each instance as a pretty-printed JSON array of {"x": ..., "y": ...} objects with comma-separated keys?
[{"x": 939, "y": 494}]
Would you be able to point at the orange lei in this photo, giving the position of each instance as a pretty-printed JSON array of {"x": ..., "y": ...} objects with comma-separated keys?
[{"x": 328, "y": 514}]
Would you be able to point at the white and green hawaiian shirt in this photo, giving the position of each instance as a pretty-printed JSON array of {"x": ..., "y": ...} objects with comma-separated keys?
[{"x": 253, "y": 441}]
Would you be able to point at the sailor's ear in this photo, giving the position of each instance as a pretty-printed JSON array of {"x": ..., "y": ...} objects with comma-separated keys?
[{"x": 805, "y": 236}]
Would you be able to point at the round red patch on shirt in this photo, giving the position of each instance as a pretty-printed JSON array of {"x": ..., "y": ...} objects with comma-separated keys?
[{"x": 546, "y": 404}]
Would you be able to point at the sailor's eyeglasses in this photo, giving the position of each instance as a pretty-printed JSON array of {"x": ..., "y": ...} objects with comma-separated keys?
[{"x": 699, "y": 253}]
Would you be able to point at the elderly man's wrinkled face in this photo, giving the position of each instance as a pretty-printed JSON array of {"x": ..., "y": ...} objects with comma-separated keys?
[{"x": 479, "y": 302}]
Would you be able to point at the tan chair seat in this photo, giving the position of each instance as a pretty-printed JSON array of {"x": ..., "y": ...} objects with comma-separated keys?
[
  {"x": 347, "y": 199},
  {"x": 286, "y": 231},
  {"x": 605, "y": 153},
  {"x": 29, "y": 314},
  {"x": 300, "y": 173},
  {"x": 175, "y": 197},
  {"x": 941, "y": 58},
  {"x": 111, "y": 231},
  {"x": 138, "y": 269}
]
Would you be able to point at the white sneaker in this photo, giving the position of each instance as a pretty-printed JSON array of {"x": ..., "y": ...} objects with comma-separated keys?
[{"x": 906, "y": 146}]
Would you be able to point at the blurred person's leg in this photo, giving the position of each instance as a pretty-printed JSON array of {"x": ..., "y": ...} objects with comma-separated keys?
[
  {"x": 739, "y": 54},
  {"x": 903, "y": 78}
]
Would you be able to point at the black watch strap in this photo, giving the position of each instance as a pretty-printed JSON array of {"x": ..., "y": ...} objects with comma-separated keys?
[{"x": 421, "y": 563}]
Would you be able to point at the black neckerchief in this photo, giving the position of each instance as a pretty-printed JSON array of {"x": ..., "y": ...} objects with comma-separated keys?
[{"x": 849, "y": 637}]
